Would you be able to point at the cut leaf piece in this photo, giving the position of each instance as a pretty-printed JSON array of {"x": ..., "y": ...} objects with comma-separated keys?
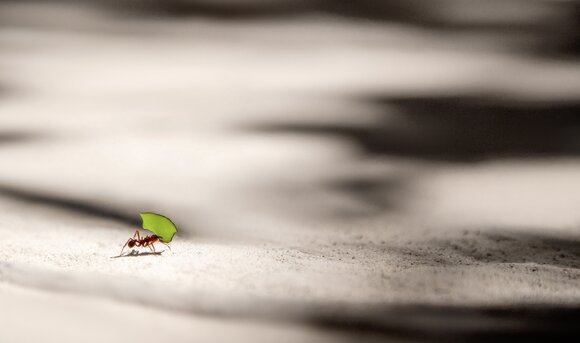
[{"x": 160, "y": 225}]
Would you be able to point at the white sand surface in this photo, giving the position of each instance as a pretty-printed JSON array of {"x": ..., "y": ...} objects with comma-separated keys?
[
  {"x": 71, "y": 318},
  {"x": 282, "y": 236}
]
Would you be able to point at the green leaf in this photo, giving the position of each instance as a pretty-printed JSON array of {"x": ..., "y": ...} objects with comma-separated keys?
[{"x": 160, "y": 225}]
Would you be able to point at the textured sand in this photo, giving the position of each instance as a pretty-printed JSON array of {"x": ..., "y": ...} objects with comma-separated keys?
[{"x": 283, "y": 236}]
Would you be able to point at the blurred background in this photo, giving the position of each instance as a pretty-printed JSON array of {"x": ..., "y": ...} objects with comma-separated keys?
[
  {"x": 273, "y": 111},
  {"x": 367, "y": 125}
]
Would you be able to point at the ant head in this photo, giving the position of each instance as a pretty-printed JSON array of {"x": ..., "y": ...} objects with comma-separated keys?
[{"x": 131, "y": 243}]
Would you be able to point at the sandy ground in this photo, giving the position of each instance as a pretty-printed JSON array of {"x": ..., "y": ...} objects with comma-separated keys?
[
  {"x": 96, "y": 320},
  {"x": 283, "y": 236}
]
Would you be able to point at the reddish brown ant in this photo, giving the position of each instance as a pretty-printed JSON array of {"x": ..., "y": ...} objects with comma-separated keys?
[{"x": 146, "y": 241}]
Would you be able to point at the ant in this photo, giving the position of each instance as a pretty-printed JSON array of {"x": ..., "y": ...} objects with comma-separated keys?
[{"x": 146, "y": 241}]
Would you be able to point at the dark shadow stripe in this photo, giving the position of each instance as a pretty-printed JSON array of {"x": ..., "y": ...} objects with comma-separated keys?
[
  {"x": 68, "y": 204},
  {"x": 402, "y": 322},
  {"x": 440, "y": 323},
  {"x": 454, "y": 129},
  {"x": 16, "y": 137}
]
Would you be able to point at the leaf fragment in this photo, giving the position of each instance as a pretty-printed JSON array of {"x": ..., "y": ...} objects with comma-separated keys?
[{"x": 160, "y": 225}]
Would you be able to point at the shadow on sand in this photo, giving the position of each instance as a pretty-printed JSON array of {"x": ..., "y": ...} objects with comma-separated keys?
[
  {"x": 553, "y": 32},
  {"x": 456, "y": 129},
  {"x": 497, "y": 246},
  {"x": 68, "y": 204},
  {"x": 519, "y": 247},
  {"x": 433, "y": 323},
  {"x": 19, "y": 137},
  {"x": 476, "y": 323},
  {"x": 135, "y": 253}
]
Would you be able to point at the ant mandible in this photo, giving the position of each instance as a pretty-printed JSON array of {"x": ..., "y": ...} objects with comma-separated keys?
[{"x": 146, "y": 241}]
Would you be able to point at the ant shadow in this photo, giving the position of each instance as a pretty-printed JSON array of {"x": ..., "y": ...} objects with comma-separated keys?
[{"x": 135, "y": 253}]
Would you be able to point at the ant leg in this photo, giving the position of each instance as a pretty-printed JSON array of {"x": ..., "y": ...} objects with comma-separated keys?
[
  {"x": 137, "y": 235},
  {"x": 167, "y": 245},
  {"x": 124, "y": 246}
]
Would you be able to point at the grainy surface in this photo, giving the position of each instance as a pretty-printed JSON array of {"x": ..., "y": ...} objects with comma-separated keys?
[{"x": 308, "y": 165}]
